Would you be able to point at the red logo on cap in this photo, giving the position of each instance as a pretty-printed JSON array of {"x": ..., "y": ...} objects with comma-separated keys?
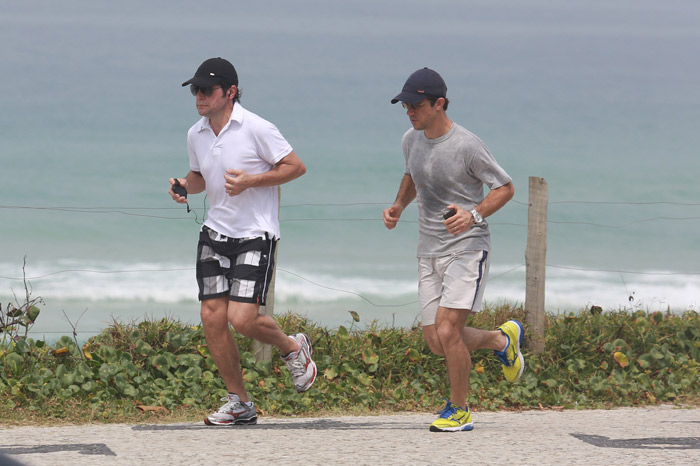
[{"x": 420, "y": 91}]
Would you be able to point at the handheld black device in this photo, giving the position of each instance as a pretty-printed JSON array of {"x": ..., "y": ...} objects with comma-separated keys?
[
  {"x": 179, "y": 189},
  {"x": 449, "y": 213}
]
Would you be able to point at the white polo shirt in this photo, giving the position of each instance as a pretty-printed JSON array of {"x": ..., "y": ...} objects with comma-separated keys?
[{"x": 248, "y": 143}]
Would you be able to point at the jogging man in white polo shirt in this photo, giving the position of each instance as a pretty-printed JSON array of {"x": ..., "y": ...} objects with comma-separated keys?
[
  {"x": 240, "y": 160},
  {"x": 446, "y": 170}
]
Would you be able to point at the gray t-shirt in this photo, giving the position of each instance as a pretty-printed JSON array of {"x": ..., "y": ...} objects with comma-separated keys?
[{"x": 451, "y": 169}]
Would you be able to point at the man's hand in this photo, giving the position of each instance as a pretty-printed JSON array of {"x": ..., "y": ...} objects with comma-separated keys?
[
  {"x": 176, "y": 197},
  {"x": 459, "y": 222},
  {"x": 391, "y": 216},
  {"x": 237, "y": 181}
]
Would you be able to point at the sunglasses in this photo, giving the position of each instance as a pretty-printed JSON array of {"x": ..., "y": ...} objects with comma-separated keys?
[
  {"x": 414, "y": 106},
  {"x": 206, "y": 91}
]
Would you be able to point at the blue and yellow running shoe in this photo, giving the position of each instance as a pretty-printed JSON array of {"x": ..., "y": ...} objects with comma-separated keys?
[
  {"x": 511, "y": 358},
  {"x": 452, "y": 419}
]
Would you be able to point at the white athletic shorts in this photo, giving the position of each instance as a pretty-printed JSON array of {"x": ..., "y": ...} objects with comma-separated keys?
[{"x": 456, "y": 281}]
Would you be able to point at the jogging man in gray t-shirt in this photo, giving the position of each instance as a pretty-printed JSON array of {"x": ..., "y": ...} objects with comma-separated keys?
[{"x": 446, "y": 170}]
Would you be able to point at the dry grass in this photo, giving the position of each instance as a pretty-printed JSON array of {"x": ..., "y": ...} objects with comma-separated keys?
[{"x": 77, "y": 414}]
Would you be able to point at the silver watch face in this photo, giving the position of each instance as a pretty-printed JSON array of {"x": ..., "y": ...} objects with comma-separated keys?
[{"x": 477, "y": 216}]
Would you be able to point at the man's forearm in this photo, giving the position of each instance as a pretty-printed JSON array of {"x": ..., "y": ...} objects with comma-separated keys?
[
  {"x": 195, "y": 182},
  {"x": 289, "y": 168},
  {"x": 495, "y": 199},
  {"x": 407, "y": 192}
]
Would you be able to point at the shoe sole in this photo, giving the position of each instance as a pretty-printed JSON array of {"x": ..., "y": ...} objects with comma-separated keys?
[
  {"x": 309, "y": 384},
  {"x": 237, "y": 422},
  {"x": 522, "y": 368},
  {"x": 521, "y": 331},
  {"x": 308, "y": 343},
  {"x": 464, "y": 428},
  {"x": 313, "y": 364}
]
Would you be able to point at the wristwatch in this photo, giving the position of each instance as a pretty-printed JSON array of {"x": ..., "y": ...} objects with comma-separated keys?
[{"x": 478, "y": 219}]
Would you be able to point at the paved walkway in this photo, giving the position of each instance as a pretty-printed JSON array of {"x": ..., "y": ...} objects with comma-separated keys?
[{"x": 630, "y": 436}]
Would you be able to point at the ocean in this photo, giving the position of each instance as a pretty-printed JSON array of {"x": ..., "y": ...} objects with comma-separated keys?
[{"x": 598, "y": 98}]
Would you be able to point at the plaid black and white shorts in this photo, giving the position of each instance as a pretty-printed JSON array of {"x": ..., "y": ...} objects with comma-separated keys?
[{"x": 238, "y": 267}]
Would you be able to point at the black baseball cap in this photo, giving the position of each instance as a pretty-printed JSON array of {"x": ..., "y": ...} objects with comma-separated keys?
[
  {"x": 213, "y": 71},
  {"x": 421, "y": 84}
]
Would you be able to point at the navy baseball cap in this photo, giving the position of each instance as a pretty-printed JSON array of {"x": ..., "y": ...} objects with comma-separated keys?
[
  {"x": 213, "y": 71},
  {"x": 421, "y": 84}
]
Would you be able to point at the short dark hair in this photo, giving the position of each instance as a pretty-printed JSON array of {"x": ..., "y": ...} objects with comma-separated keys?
[
  {"x": 432, "y": 99},
  {"x": 226, "y": 86}
]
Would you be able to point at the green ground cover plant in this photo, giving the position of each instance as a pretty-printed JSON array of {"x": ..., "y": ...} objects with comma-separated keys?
[{"x": 161, "y": 369}]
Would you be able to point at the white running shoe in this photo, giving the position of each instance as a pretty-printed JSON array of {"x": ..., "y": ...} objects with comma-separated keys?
[
  {"x": 300, "y": 364},
  {"x": 234, "y": 412}
]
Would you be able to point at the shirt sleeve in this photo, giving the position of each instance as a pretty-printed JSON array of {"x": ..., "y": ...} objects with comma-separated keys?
[
  {"x": 484, "y": 167},
  {"x": 194, "y": 161},
  {"x": 272, "y": 146}
]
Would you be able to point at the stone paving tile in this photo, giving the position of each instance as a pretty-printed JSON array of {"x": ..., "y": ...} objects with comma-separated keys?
[{"x": 630, "y": 436}]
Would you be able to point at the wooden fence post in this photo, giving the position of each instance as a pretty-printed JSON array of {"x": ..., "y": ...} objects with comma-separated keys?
[
  {"x": 263, "y": 351},
  {"x": 535, "y": 262}
]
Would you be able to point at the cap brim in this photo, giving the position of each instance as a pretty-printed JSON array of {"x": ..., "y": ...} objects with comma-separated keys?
[
  {"x": 408, "y": 97},
  {"x": 202, "y": 81}
]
